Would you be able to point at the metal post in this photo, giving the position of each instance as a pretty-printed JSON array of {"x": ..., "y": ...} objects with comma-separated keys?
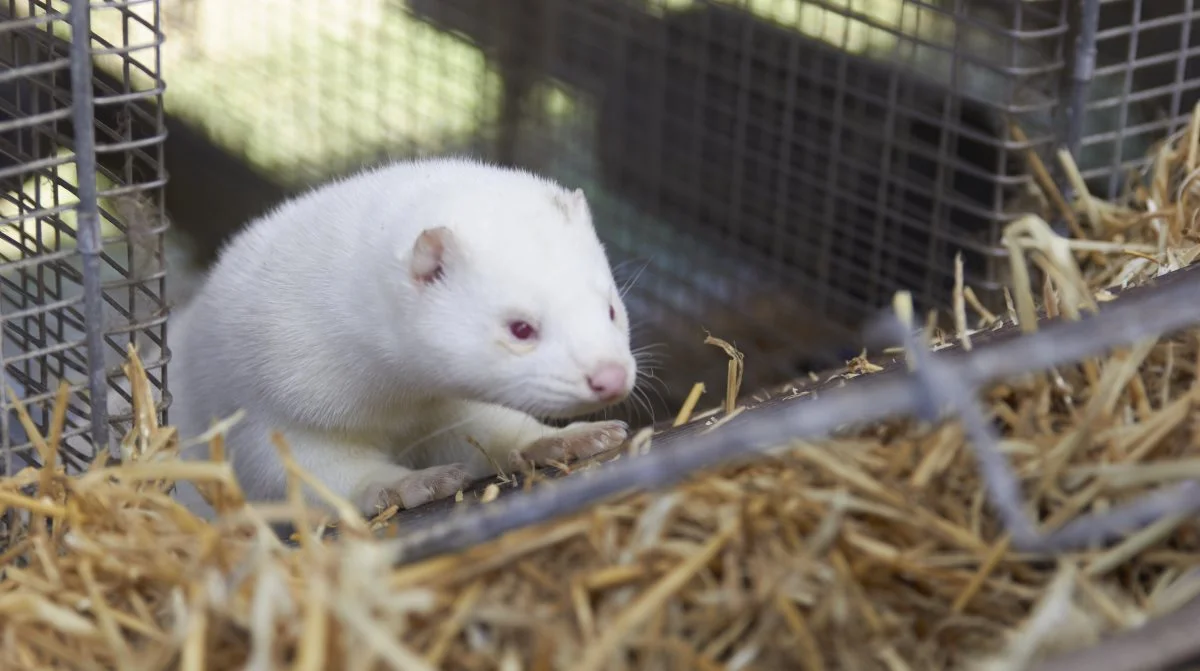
[
  {"x": 88, "y": 215},
  {"x": 1082, "y": 73}
]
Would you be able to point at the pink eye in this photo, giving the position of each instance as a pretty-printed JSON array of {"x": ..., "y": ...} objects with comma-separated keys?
[
  {"x": 612, "y": 313},
  {"x": 521, "y": 330}
]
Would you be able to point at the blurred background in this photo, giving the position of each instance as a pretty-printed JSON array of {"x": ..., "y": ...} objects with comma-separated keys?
[{"x": 767, "y": 171}]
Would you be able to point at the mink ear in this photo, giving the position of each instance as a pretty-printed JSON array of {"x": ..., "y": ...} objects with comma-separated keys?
[
  {"x": 573, "y": 204},
  {"x": 429, "y": 254}
]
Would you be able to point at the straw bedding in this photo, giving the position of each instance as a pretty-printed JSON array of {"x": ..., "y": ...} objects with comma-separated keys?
[{"x": 874, "y": 550}]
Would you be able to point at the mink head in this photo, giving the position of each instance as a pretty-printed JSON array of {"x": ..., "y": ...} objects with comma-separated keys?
[{"x": 514, "y": 299}]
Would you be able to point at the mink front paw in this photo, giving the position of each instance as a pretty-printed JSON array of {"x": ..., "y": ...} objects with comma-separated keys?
[
  {"x": 577, "y": 441},
  {"x": 417, "y": 487}
]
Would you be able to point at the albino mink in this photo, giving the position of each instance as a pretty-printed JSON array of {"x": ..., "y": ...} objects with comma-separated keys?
[{"x": 380, "y": 321}]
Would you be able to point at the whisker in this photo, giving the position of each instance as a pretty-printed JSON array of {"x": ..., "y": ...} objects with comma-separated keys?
[
  {"x": 643, "y": 403},
  {"x": 648, "y": 351},
  {"x": 619, "y": 267},
  {"x": 650, "y": 381},
  {"x": 629, "y": 284},
  {"x": 650, "y": 362},
  {"x": 649, "y": 345}
]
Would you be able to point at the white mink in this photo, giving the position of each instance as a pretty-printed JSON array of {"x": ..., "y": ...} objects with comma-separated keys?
[{"x": 379, "y": 321}]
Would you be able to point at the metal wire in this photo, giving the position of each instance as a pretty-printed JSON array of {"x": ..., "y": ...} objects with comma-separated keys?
[
  {"x": 80, "y": 136},
  {"x": 1154, "y": 314},
  {"x": 1082, "y": 72},
  {"x": 1145, "y": 85},
  {"x": 840, "y": 173},
  {"x": 778, "y": 168},
  {"x": 88, "y": 211}
]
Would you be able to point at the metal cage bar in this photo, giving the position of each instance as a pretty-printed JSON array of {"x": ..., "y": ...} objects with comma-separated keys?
[
  {"x": 771, "y": 170},
  {"x": 812, "y": 178},
  {"x": 81, "y": 251},
  {"x": 1145, "y": 85},
  {"x": 88, "y": 210}
]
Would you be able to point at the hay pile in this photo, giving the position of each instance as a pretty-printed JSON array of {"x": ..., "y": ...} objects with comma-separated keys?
[{"x": 874, "y": 550}]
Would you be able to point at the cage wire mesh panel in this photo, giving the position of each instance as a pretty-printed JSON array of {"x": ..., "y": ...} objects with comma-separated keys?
[
  {"x": 1145, "y": 86},
  {"x": 769, "y": 171},
  {"x": 43, "y": 311},
  {"x": 794, "y": 141},
  {"x": 785, "y": 167}
]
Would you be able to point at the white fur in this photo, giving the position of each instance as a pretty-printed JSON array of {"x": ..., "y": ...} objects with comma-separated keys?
[{"x": 311, "y": 321}]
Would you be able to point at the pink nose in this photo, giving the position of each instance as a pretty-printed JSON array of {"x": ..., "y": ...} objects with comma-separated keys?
[{"x": 608, "y": 381}]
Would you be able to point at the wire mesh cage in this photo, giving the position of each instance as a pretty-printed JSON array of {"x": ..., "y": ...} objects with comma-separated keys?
[
  {"x": 824, "y": 155},
  {"x": 844, "y": 155},
  {"x": 767, "y": 171},
  {"x": 1145, "y": 83},
  {"x": 81, "y": 272}
]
